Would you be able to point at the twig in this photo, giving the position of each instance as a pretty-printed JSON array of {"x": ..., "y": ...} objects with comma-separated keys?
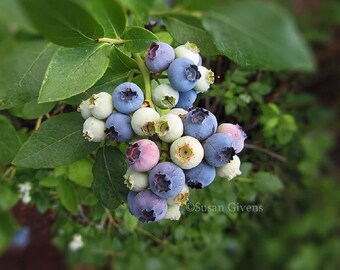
[
  {"x": 151, "y": 236},
  {"x": 38, "y": 123},
  {"x": 282, "y": 88},
  {"x": 111, "y": 219},
  {"x": 267, "y": 151}
]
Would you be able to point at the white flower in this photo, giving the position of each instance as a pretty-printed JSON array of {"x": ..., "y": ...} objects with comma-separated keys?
[
  {"x": 76, "y": 243},
  {"x": 24, "y": 192}
]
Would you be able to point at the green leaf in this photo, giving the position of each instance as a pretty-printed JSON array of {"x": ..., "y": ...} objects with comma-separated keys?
[
  {"x": 185, "y": 28},
  {"x": 73, "y": 71},
  {"x": 9, "y": 196},
  {"x": 10, "y": 142},
  {"x": 63, "y": 22},
  {"x": 80, "y": 172},
  {"x": 68, "y": 196},
  {"x": 139, "y": 10},
  {"x": 121, "y": 62},
  {"x": 259, "y": 35},
  {"x": 267, "y": 182},
  {"x": 50, "y": 181},
  {"x": 8, "y": 227},
  {"x": 22, "y": 68},
  {"x": 57, "y": 142},
  {"x": 138, "y": 39},
  {"x": 32, "y": 110},
  {"x": 108, "y": 181},
  {"x": 110, "y": 15}
]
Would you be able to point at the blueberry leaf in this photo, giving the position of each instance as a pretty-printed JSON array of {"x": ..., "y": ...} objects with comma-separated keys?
[
  {"x": 185, "y": 28},
  {"x": 121, "y": 62},
  {"x": 22, "y": 69},
  {"x": 63, "y": 22},
  {"x": 108, "y": 181},
  {"x": 10, "y": 142},
  {"x": 57, "y": 142},
  {"x": 110, "y": 15},
  {"x": 138, "y": 39},
  {"x": 73, "y": 71},
  {"x": 267, "y": 182},
  {"x": 259, "y": 35},
  {"x": 68, "y": 196}
]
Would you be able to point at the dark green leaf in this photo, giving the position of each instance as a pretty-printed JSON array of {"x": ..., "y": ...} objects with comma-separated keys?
[
  {"x": 73, "y": 71},
  {"x": 259, "y": 35},
  {"x": 8, "y": 227},
  {"x": 32, "y": 110},
  {"x": 63, "y": 22},
  {"x": 121, "y": 62},
  {"x": 110, "y": 15},
  {"x": 108, "y": 181},
  {"x": 57, "y": 142},
  {"x": 267, "y": 182},
  {"x": 140, "y": 10},
  {"x": 8, "y": 195},
  {"x": 187, "y": 28},
  {"x": 68, "y": 196},
  {"x": 138, "y": 39},
  {"x": 10, "y": 142},
  {"x": 22, "y": 68}
]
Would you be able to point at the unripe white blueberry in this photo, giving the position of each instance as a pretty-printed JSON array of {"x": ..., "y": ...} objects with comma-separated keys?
[
  {"x": 231, "y": 169},
  {"x": 181, "y": 199},
  {"x": 179, "y": 111},
  {"x": 143, "y": 121},
  {"x": 84, "y": 109},
  {"x": 93, "y": 130},
  {"x": 173, "y": 212},
  {"x": 101, "y": 105},
  {"x": 188, "y": 50},
  {"x": 187, "y": 152},
  {"x": 164, "y": 96},
  {"x": 207, "y": 78},
  {"x": 169, "y": 128},
  {"x": 135, "y": 181}
]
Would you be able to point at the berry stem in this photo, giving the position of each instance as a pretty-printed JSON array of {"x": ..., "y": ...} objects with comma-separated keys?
[
  {"x": 146, "y": 76},
  {"x": 111, "y": 40}
]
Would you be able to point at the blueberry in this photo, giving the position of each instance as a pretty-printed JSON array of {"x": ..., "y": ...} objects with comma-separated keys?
[
  {"x": 136, "y": 181},
  {"x": 143, "y": 155},
  {"x": 127, "y": 97},
  {"x": 101, "y": 105},
  {"x": 178, "y": 111},
  {"x": 164, "y": 96},
  {"x": 118, "y": 127},
  {"x": 159, "y": 56},
  {"x": 231, "y": 169},
  {"x": 144, "y": 120},
  {"x": 199, "y": 123},
  {"x": 181, "y": 199},
  {"x": 186, "y": 99},
  {"x": 131, "y": 201},
  {"x": 169, "y": 128},
  {"x": 148, "y": 207},
  {"x": 218, "y": 150},
  {"x": 183, "y": 74},
  {"x": 236, "y": 133},
  {"x": 200, "y": 176},
  {"x": 207, "y": 79},
  {"x": 166, "y": 180},
  {"x": 93, "y": 130},
  {"x": 84, "y": 109},
  {"x": 186, "y": 152},
  {"x": 190, "y": 51},
  {"x": 173, "y": 212}
]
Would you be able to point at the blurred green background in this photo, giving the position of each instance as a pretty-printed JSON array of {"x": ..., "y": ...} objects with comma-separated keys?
[{"x": 290, "y": 175}]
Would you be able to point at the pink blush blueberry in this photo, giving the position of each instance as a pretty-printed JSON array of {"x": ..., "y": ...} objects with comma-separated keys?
[{"x": 236, "y": 133}]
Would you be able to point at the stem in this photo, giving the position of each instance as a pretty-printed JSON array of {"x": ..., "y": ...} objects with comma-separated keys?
[
  {"x": 146, "y": 76},
  {"x": 267, "y": 151},
  {"x": 111, "y": 40},
  {"x": 196, "y": 14}
]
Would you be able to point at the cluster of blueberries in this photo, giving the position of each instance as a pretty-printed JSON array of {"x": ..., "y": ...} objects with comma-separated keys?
[{"x": 172, "y": 147}]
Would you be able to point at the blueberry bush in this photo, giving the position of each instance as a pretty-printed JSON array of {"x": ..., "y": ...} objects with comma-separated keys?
[{"x": 169, "y": 134}]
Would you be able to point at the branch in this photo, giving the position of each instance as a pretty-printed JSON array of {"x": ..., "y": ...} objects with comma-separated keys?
[{"x": 267, "y": 151}]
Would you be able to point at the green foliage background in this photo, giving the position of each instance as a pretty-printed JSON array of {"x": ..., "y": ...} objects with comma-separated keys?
[{"x": 266, "y": 67}]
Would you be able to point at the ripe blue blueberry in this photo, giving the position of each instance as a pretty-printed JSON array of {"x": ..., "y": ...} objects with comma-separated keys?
[
  {"x": 200, "y": 176},
  {"x": 148, "y": 207},
  {"x": 218, "y": 149},
  {"x": 183, "y": 74},
  {"x": 199, "y": 123},
  {"x": 186, "y": 99},
  {"x": 166, "y": 180},
  {"x": 164, "y": 96},
  {"x": 118, "y": 127},
  {"x": 127, "y": 97},
  {"x": 159, "y": 56},
  {"x": 130, "y": 201}
]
